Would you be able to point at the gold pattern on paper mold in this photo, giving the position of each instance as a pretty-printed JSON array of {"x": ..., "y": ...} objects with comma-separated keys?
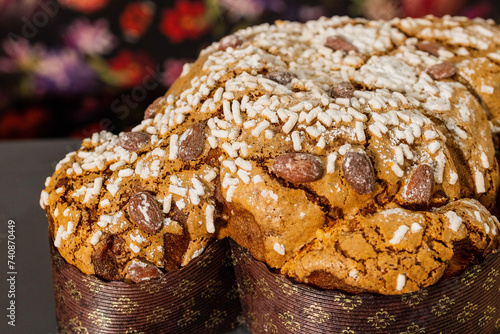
[
  {"x": 414, "y": 329},
  {"x": 216, "y": 318},
  {"x": 382, "y": 319},
  {"x": 443, "y": 306},
  {"x": 288, "y": 320},
  {"x": 159, "y": 314},
  {"x": 467, "y": 313},
  {"x": 73, "y": 290},
  {"x": 348, "y": 303},
  {"x": 133, "y": 331},
  {"x": 188, "y": 318},
  {"x": 58, "y": 261},
  {"x": 264, "y": 288},
  {"x": 487, "y": 316},
  {"x": 286, "y": 287},
  {"x": 189, "y": 303},
  {"x": 236, "y": 254},
  {"x": 348, "y": 330},
  {"x": 99, "y": 319},
  {"x": 153, "y": 286},
  {"x": 249, "y": 287},
  {"x": 244, "y": 256},
  {"x": 227, "y": 260},
  {"x": 125, "y": 305},
  {"x": 249, "y": 317},
  {"x": 59, "y": 295},
  {"x": 316, "y": 314},
  {"x": 240, "y": 320},
  {"x": 75, "y": 326},
  {"x": 469, "y": 276},
  {"x": 62, "y": 328},
  {"x": 234, "y": 292},
  {"x": 497, "y": 323},
  {"x": 93, "y": 284},
  {"x": 208, "y": 257},
  {"x": 211, "y": 289},
  {"x": 267, "y": 324},
  {"x": 491, "y": 279},
  {"x": 412, "y": 299},
  {"x": 184, "y": 288}
]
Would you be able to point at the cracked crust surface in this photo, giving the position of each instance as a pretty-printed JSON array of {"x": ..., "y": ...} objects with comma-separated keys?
[
  {"x": 269, "y": 94},
  {"x": 371, "y": 251}
]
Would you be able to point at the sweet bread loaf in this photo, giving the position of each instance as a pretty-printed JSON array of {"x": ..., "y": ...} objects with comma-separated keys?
[{"x": 345, "y": 153}]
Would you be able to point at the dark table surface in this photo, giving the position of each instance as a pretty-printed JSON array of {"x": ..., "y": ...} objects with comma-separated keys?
[{"x": 24, "y": 166}]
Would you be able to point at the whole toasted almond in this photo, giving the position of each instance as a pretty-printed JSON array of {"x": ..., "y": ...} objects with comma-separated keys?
[
  {"x": 358, "y": 172},
  {"x": 104, "y": 257},
  {"x": 151, "y": 110},
  {"x": 139, "y": 271},
  {"x": 339, "y": 43},
  {"x": 191, "y": 142},
  {"x": 430, "y": 47},
  {"x": 419, "y": 188},
  {"x": 144, "y": 212},
  {"x": 298, "y": 167},
  {"x": 441, "y": 71},
  {"x": 281, "y": 77},
  {"x": 133, "y": 141},
  {"x": 343, "y": 89}
]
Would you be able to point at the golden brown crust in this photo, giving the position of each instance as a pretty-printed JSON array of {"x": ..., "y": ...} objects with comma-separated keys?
[
  {"x": 295, "y": 138},
  {"x": 372, "y": 251}
]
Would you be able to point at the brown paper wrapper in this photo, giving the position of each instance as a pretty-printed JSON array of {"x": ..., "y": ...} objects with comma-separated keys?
[
  {"x": 469, "y": 304},
  {"x": 199, "y": 298}
]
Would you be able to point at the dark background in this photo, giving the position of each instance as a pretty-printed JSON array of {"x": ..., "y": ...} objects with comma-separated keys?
[{"x": 72, "y": 67}]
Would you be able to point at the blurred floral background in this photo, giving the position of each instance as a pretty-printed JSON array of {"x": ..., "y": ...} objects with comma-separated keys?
[{"x": 73, "y": 67}]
